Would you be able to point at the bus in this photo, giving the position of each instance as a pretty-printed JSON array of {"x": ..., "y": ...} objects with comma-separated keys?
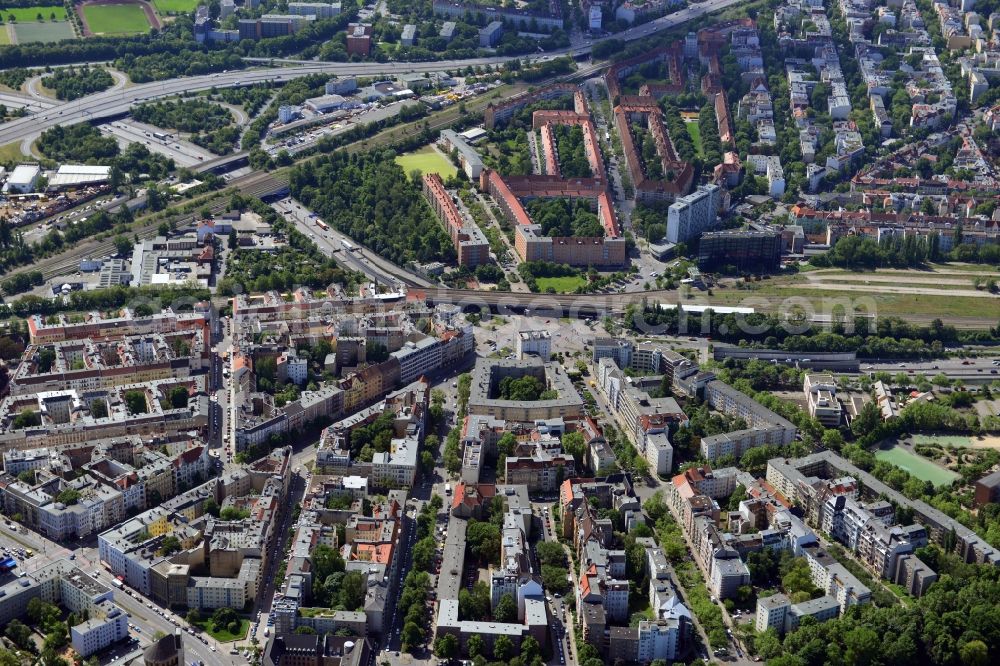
[
  {"x": 322, "y": 225},
  {"x": 162, "y": 136},
  {"x": 8, "y": 564}
]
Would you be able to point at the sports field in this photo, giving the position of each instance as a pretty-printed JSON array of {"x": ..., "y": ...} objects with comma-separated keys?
[
  {"x": 916, "y": 465},
  {"x": 427, "y": 160},
  {"x": 175, "y": 6},
  {"x": 4, "y": 35},
  {"x": 43, "y": 32},
  {"x": 694, "y": 131},
  {"x": 943, "y": 440},
  {"x": 30, "y": 14},
  {"x": 562, "y": 285},
  {"x": 116, "y": 19}
]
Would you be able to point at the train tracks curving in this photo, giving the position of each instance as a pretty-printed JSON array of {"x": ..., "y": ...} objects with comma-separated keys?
[{"x": 254, "y": 185}]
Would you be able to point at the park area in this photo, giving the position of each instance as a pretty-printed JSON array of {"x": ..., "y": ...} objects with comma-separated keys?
[
  {"x": 43, "y": 32},
  {"x": 164, "y": 7},
  {"x": 916, "y": 465},
  {"x": 38, "y": 23},
  {"x": 116, "y": 18},
  {"x": 427, "y": 160},
  {"x": 32, "y": 14},
  {"x": 563, "y": 285},
  {"x": 223, "y": 625}
]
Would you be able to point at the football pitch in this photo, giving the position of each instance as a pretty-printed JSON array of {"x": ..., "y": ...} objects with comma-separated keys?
[
  {"x": 116, "y": 19},
  {"x": 427, "y": 160},
  {"x": 174, "y": 6},
  {"x": 43, "y": 32}
]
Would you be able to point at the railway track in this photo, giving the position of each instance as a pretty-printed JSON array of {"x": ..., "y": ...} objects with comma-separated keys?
[{"x": 254, "y": 185}]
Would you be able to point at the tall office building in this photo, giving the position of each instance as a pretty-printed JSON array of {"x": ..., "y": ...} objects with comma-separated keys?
[{"x": 692, "y": 214}]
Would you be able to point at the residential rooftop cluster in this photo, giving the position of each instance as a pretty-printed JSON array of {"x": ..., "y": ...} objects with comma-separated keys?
[
  {"x": 508, "y": 191},
  {"x": 76, "y": 490},
  {"x": 182, "y": 555},
  {"x": 378, "y": 325},
  {"x": 649, "y": 422},
  {"x": 99, "y": 621},
  {"x": 373, "y": 545}
]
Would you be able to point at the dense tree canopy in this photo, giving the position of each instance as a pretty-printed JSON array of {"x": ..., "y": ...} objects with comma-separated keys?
[
  {"x": 71, "y": 83},
  {"x": 369, "y": 198},
  {"x": 955, "y": 622}
]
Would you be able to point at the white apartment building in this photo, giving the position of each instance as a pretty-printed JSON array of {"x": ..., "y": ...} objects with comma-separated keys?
[
  {"x": 821, "y": 396},
  {"x": 533, "y": 343},
  {"x": 693, "y": 214},
  {"x": 397, "y": 467}
]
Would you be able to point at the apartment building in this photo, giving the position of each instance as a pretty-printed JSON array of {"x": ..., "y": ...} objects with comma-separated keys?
[
  {"x": 646, "y": 110},
  {"x": 802, "y": 479},
  {"x": 533, "y": 343},
  {"x": 691, "y": 215},
  {"x": 61, "y": 327},
  {"x": 540, "y": 472},
  {"x": 486, "y": 378},
  {"x": 765, "y": 428},
  {"x": 234, "y": 550},
  {"x": 821, "y": 398},
  {"x": 89, "y": 364},
  {"x": 470, "y": 244},
  {"x": 779, "y": 613}
]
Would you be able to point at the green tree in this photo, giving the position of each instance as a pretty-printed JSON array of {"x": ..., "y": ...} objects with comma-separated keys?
[
  {"x": 136, "y": 402},
  {"x": 551, "y": 552},
  {"x": 574, "y": 445},
  {"x": 352, "y": 591},
  {"x": 506, "y": 610},
  {"x": 412, "y": 635},
  {"x": 179, "y": 397},
  {"x": 19, "y": 634},
  {"x": 974, "y": 653},
  {"x": 475, "y": 646},
  {"x": 483, "y": 540},
  {"x": 446, "y": 647},
  {"x": 503, "y": 648},
  {"x": 170, "y": 544}
]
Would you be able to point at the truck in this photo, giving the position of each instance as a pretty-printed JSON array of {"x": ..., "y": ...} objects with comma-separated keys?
[
  {"x": 162, "y": 136},
  {"x": 347, "y": 245},
  {"x": 117, "y": 583},
  {"x": 447, "y": 489}
]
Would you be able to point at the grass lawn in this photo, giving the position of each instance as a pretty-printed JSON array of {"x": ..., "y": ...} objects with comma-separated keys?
[
  {"x": 943, "y": 440},
  {"x": 427, "y": 160},
  {"x": 175, "y": 6},
  {"x": 4, "y": 35},
  {"x": 30, "y": 14},
  {"x": 44, "y": 32},
  {"x": 116, "y": 19},
  {"x": 916, "y": 465},
  {"x": 11, "y": 153},
  {"x": 695, "y": 132},
  {"x": 224, "y": 635},
  {"x": 779, "y": 288},
  {"x": 562, "y": 285}
]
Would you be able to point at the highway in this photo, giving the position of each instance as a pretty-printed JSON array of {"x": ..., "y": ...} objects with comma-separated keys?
[
  {"x": 118, "y": 101},
  {"x": 331, "y": 242}
]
